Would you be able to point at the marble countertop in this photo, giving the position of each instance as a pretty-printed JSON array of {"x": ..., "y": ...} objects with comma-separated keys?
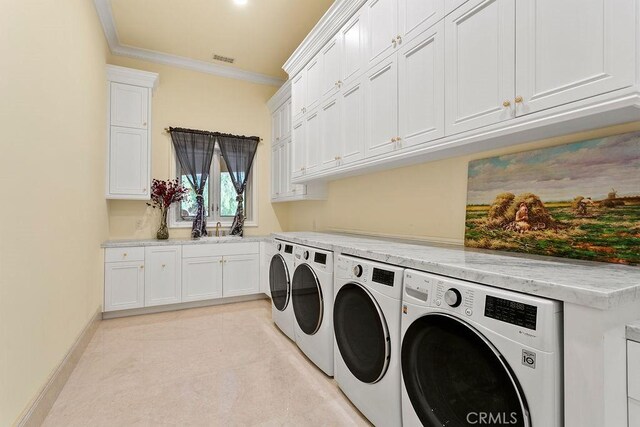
[
  {"x": 180, "y": 241},
  {"x": 597, "y": 285},
  {"x": 633, "y": 331}
]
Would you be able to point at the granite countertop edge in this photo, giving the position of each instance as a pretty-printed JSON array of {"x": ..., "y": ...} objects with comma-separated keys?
[
  {"x": 633, "y": 331},
  {"x": 515, "y": 273},
  {"x": 129, "y": 243}
]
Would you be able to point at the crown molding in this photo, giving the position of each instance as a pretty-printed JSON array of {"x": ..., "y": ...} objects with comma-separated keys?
[
  {"x": 330, "y": 23},
  {"x": 103, "y": 7},
  {"x": 280, "y": 96}
]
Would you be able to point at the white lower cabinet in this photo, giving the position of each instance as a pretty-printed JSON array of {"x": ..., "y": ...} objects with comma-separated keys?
[
  {"x": 240, "y": 275},
  {"x": 123, "y": 285},
  {"x": 162, "y": 275},
  {"x": 201, "y": 278},
  {"x": 633, "y": 382}
]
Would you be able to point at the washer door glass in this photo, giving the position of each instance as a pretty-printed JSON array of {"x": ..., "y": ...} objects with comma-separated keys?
[
  {"x": 361, "y": 333},
  {"x": 307, "y": 300},
  {"x": 454, "y": 376},
  {"x": 279, "y": 282}
]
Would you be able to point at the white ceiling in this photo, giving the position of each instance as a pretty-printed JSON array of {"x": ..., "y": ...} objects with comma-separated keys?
[{"x": 260, "y": 35}]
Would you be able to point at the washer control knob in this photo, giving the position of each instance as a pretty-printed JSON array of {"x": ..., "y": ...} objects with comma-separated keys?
[
  {"x": 453, "y": 297},
  {"x": 279, "y": 247},
  {"x": 468, "y": 312},
  {"x": 306, "y": 254},
  {"x": 357, "y": 270}
]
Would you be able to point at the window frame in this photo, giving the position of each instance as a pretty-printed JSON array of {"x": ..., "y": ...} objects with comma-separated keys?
[{"x": 251, "y": 216}]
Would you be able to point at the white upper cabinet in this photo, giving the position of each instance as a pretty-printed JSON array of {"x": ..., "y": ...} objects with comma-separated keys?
[
  {"x": 313, "y": 92},
  {"x": 312, "y": 142},
  {"x": 415, "y": 16},
  {"x": 330, "y": 59},
  {"x": 162, "y": 275},
  {"x": 330, "y": 138},
  {"x": 479, "y": 64},
  {"x": 128, "y": 162},
  {"x": 298, "y": 155},
  {"x": 421, "y": 88},
  {"x": 352, "y": 125},
  {"x": 572, "y": 49},
  {"x": 129, "y": 106},
  {"x": 129, "y": 135},
  {"x": 285, "y": 120},
  {"x": 276, "y": 125},
  {"x": 451, "y": 5},
  {"x": 353, "y": 36},
  {"x": 382, "y": 29},
  {"x": 297, "y": 96},
  {"x": 381, "y": 107}
]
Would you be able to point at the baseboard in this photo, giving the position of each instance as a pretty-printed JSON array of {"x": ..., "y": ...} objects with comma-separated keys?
[
  {"x": 181, "y": 306},
  {"x": 38, "y": 411},
  {"x": 421, "y": 239}
]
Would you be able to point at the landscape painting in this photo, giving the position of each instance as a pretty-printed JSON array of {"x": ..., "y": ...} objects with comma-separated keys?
[{"x": 579, "y": 200}]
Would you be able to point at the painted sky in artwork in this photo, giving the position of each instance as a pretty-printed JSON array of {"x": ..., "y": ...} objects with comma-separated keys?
[{"x": 588, "y": 168}]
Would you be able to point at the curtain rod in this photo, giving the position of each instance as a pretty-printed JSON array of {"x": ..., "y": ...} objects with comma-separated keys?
[{"x": 168, "y": 130}]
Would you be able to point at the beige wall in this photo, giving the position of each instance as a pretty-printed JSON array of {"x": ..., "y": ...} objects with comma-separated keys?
[
  {"x": 422, "y": 202},
  {"x": 53, "y": 214},
  {"x": 200, "y": 101}
]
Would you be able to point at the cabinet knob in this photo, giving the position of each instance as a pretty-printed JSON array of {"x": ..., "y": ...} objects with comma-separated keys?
[
  {"x": 394, "y": 139},
  {"x": 399, "y": 38},
  {"x": 394, "y": 42},
  {"x": 124, "y": 254},
  {"x": 518, "y": 99},
  {"x": 144, "y": 124},
  {"x": 506, "y": 103},
  {"x": 164, "y": 265},
  {"x": 141, "y": 267}
]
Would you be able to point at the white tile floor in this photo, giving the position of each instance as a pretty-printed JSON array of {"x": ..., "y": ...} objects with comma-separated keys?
[{"x": 214, "y": 366}]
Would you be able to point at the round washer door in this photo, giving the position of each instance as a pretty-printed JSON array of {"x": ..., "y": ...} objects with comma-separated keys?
[
  {"x": 279, "y": 282},
  {"x": 361, "y": 333},
  {"x": 306, "y": 295},
  {"x": 454, "y": 376}
]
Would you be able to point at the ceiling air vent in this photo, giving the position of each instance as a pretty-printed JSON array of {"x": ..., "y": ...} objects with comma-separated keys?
[{"x": 223, "y": 58}]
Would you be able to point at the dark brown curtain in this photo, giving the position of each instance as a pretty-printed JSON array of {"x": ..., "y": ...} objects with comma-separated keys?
[
  {"x": 194, "y": 150},
  {"x": 238, "y": 153}
]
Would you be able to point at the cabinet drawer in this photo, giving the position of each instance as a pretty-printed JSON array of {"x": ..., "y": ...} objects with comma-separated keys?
[
  {"x": 633, "y": 369},
  {"x": 219, "y": 249},
  {"x": 123, "y": 254}
]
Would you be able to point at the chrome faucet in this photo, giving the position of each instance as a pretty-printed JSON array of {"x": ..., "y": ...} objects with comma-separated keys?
[{"x": 218, "y": 225}]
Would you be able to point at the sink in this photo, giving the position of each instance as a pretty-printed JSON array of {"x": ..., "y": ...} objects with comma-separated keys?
[{"x": 220, "y": 238}]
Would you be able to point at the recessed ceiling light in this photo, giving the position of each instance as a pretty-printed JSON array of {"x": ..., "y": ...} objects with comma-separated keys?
[{"x": 241, "y": 2}]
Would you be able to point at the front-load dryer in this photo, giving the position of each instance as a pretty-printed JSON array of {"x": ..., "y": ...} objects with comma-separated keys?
[
  {"x": 366, "y": 321},
  {"x": 478, "y": 355},
  {"x": 312, "y": 295},
  {"x": 280, "y": 271}
]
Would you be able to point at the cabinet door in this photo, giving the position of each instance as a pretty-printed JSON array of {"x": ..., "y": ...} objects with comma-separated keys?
[
  {"x": 421, "y": 86},
  {"x": 479, "y": 64},
  {"x": 129, "y": 106},
  {"x": 285, "y": 121},
  {"x": 312, "y": 143},
  {"x": 382, "y": 29},
  {"x": 313, "y": 72},
  {"x": 417, "y": 15},
  {"x": 128, "y": 162},
  {"x": 331, "y": 66},
  {"x": 353, "y": 53},
  {"x": 572, "y": 49},
  {"x": 201, "y": 278},
  {"x": 381, "y": 107},
  {"x": 276, "y": 166},
  {"x": 123, "y": 285},
  {"x": 352, "y": 123},
  {"x": 285, "y": 169},
  {"x": 241, "y": 275},
  {"x": 634, "y": 413},
  {"x": 276, "y": 125},
  {"x": 298, "y": 149},
  {"x": 162, "y": 275},
  {"x": 297, "y": 96},
  {"x": 330, "y": 138}
]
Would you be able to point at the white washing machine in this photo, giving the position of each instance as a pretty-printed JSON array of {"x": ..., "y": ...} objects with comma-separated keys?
[
  {"x": 477, "y": 355},
  {"x": 312, "y": 296},
  {"x": 281, "y": 268},
  {"x": 366, "y": 321}
]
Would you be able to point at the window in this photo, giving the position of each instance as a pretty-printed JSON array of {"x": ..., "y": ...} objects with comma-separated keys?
[{"x": 219, "y": 197}]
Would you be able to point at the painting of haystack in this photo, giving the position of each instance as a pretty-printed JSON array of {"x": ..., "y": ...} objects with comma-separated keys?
[{"x": 579, "y": 200}]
